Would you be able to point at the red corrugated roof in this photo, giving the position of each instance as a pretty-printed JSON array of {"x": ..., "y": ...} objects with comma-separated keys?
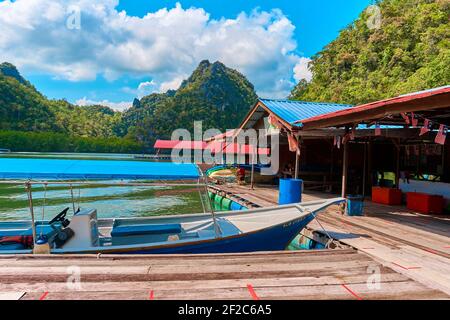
[
  {"x": 378, "y": 105},
  {"x": 177, "y": 144},
  {"x": 214, "y": 146}
]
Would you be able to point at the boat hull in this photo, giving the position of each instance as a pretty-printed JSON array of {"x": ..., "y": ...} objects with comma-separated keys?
[{"x": 275, "y": 238}]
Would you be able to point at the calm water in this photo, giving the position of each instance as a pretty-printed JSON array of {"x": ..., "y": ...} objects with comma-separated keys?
[{"x": 110, "y": 201}]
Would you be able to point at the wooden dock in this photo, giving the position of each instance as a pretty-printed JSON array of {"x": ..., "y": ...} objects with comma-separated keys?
[
  {"x": 320, "y": 274},
  {"x": 412, "y": 244},
  {"x": 391, "y": 253}
]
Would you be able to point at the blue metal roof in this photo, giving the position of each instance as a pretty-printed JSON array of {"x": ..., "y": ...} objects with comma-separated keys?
[
  {"x": 12, "y": 168},
  {"x": 292, "y": 111}
]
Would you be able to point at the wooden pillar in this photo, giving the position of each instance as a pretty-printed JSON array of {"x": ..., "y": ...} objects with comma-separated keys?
[
  {"x": 369, "y": 164},
  {"x": 445, "y": 168},
  {"x": 345, "y": 170},
  {"x": 364, "y": 171},
  {"x": 252, "y": 180},
  {"x": 397, "y": 167},
  {"x": 297, "y": 159}
]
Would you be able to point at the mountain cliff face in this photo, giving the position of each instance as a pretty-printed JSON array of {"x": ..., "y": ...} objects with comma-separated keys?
[
  {"x": 10, "y": 70},
  {"x": 215, "y": 94},
  {"x": 410, "y": 51}
]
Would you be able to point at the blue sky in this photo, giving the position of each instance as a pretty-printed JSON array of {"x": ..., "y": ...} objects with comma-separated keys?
[{"x": 128, "y": 48}]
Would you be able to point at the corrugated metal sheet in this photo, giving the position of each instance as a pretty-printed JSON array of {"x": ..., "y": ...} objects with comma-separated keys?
[
  {"x": 293, "y": 111},
  {"x": 362, "y": 111}
]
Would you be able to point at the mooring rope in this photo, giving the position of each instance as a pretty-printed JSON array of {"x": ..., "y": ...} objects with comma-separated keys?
[{"x": 320, "y": 224}]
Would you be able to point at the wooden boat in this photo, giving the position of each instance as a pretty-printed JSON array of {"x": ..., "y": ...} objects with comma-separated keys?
[
  {"x": 240, "y": 231},
  {"x": 264, "y": 229}
]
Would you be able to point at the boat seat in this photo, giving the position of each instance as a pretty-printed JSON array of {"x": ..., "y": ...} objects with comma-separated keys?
[{"x": 136, "y": 230}]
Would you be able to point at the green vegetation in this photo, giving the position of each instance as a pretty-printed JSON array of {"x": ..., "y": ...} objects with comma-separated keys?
[
  {"x": 60, "y": 142},
  {"x": 218, "y": 95},
  {"x": 23, "y": 108},
  {"x": 30, "y": 122},
  {"x": 410, "y": 52}
]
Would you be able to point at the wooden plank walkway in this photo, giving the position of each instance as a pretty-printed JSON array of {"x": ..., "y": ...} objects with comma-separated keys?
[
  {"x": 413, "y": 244},
  {"x": 319, "y": 274}
]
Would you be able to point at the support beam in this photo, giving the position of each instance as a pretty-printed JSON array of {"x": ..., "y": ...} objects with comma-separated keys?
[
  {"x": 252, "y": 177},
  {"x": 297, "y": 159},
  {"x": 369, "y": 165},
  {"x": 364, "y": 171},
  {"x": 345, "y": 170},
  {"x": 397, "y": 166}
]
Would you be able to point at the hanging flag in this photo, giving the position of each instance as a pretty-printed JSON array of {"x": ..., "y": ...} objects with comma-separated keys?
[
  {"x": 338, "y": 142},
  {"x": 427, "y": 124},
  {"x": 405, "y": 116},
  {"x": 377, "y": 129},
  {"x": 293, "y": 142},
  {"x": 442, "y": 134},
  {"x": 414, "y": 120},
  {"x": 273, "y": 121}
]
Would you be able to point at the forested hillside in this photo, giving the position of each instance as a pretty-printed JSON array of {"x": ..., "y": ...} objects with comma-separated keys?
[
  {"x": 26, "y": 113},
  {"x": 215, "y": 94},
  {"x": 409, "y": 52}
]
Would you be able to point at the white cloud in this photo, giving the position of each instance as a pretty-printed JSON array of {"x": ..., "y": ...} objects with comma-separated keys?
[
  {"x": 118, "y": 106},
  {"x": 165, "y": 45},
  {"x": 146, "y": 88},
  {"x": 172, "y": 84},
  {"x": 302, "y": 71}
]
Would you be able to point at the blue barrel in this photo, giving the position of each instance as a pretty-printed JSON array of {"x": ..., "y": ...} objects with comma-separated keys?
[
  {"x": 290, "y": 191},
  {"x": 235, "y": 206},
  {"x": 355, "y": 205}
]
